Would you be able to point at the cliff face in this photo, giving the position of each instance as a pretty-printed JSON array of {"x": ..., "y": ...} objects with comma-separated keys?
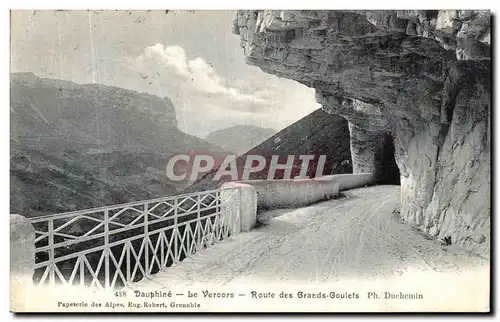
[{"x": 421, "y": 78}]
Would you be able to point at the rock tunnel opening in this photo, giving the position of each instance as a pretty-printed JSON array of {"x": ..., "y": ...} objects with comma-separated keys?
[{"x": 386, "y": 168}]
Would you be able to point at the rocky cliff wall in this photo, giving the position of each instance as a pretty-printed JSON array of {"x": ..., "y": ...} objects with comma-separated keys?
[{"x": 420, "y": 77}]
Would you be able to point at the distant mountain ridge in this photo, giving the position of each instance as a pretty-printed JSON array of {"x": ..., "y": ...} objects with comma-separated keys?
[
  {"x": 239, "y": 138},
  {"x": 81, "y": 146},
  {"x": 90, "y": 115}
]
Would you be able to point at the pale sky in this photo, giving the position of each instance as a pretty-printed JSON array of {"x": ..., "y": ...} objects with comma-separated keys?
[{"x": 190, "y": 56}]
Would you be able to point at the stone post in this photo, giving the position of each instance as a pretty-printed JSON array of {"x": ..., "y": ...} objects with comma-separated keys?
[
  {"x": 239, "y": 206},
  {"x": 22, "y": 261}
]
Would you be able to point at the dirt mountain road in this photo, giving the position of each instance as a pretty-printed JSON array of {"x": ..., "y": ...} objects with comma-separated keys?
[{"x": 356, "y": 236}]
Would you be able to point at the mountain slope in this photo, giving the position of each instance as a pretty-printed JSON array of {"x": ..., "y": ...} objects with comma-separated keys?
[
  {"x": 316, "y": 134},
  {"x": 240, "y": 138},
  {"x": 80, "y": 146}
]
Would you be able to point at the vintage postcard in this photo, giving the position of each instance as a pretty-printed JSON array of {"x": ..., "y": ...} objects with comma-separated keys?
[{"x": 250, "y": 161}]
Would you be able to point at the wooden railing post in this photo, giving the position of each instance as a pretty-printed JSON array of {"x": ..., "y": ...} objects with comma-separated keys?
[
  {"x": 146, "y": 240},
  {"x": 176, "y": 233},
  {"x": 198, "y": 223},
  {"x": 50, "y": 230},
  {"x": 82, "y": 270},
  {"x": 106, "y": 250},
  {"x": 128, "y": 277}
]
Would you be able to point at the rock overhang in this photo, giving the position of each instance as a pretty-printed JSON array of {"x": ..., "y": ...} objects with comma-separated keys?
[{"x": 412, "y": 73}]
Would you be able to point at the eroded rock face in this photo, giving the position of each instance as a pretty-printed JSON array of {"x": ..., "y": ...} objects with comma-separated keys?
[{"x": 420, "y": 77}]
